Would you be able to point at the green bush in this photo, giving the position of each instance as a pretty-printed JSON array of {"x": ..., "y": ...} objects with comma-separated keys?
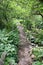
[
  {"x": 9, "y": 42},
  {"x": 38, "y": 52}
]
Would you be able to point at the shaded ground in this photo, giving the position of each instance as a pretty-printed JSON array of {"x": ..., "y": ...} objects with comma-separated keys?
[{"x": 25, "y": 49}]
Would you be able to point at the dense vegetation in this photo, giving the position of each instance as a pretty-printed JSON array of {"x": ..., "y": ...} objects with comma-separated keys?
[
  {"x": 9, "y": 43},
  {"x": 30, "y": 14}
]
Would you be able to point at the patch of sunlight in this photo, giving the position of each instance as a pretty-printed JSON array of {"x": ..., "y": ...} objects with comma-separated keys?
[{"x": 16, "y": 21}]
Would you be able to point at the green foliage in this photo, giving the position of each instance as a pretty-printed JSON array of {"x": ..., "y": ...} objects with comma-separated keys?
[
  {"x": 38, "y": 52},
  {"x": 37, "y": 63},
  {"x": 30, "y": 14},
  {"x": 14, "y": 9},
  {"x": 9, "y": 42}
]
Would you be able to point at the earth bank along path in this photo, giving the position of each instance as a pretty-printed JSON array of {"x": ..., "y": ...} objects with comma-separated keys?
[{"x": 24, "y": 48}]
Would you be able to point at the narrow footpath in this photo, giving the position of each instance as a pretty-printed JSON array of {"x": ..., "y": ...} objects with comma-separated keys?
[{"x": 25, "y": 50}]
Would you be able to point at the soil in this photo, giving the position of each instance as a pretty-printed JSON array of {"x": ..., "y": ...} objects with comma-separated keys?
[{"x": 25, "y": 48}]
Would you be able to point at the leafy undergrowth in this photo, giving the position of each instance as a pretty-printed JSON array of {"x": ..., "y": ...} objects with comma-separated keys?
[
  {"x": 38, "y": 52},
  {"x": 35, "y": 36},
  {"x": 9, "y": 42},
  {"x": 38, "y": 63}
]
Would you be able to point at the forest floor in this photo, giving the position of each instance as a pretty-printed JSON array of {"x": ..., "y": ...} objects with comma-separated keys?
[{"x": 25, "y": 48}]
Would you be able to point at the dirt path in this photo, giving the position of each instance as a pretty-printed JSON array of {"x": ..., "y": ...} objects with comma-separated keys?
[{"x": 24, "y": 48}]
